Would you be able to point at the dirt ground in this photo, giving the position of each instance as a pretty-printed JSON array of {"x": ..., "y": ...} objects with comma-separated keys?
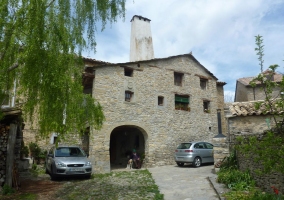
[{"x": 43, "y": 188}]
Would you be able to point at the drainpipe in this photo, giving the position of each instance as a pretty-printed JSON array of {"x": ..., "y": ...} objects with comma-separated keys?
[
  {"x": 220, "y": 135},
  {"x": 14, "y": 94}
]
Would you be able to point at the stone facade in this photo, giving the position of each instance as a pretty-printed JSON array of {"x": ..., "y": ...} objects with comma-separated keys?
[
  {"x": 244, "y": 121},
  {"x": 159, "y": 128},
  {"x": 247, "y": 163}
]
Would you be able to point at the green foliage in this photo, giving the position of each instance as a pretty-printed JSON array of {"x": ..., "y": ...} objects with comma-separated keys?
[
  {"x": 230, "y": 162},
  {"x": 252, "y": 194},
  {"x": 37, "y": 170},
  {"x": 28, "y": 196},
  {"x": 40, "y": 47},
  {"x": 265, "y": 196},
  {"x": 36, "y": 152},
  {"x": 235, "y": 179},
  {"x": 6, "y": 190},
  {"x": 266, "y": 151},
  {"x": 24, "y": 150},
  {"x": 34, "y": 167}
]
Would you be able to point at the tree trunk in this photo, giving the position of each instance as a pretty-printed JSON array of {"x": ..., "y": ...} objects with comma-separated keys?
[{"x": 10, "y": 154}]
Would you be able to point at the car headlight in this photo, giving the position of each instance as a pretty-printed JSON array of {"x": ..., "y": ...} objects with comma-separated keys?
[
  {"x": 88, "y": 163},
  {"x": 60, "y": 164}
]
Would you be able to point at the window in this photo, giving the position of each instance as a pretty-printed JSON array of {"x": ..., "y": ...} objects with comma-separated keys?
[
  {"x": 203, "y": 83},
  {"x": 199, "y": 146},
  {"x": 128, "y": 72},
  {"x": 128, "y": 95},
  {"x": 182, "y": 103},
  {"x": 206, "y": 106},
  {"x": 178, "y": 78},
  {"x": 209, "y": 146},
  {"x": 160, "y": 100},
  {"x": 54, "y": 139}
]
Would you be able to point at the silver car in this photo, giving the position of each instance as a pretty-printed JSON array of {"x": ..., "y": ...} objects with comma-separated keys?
[
  {"x": 195, "y": 153},
  {"x": 67, "y": 161}
]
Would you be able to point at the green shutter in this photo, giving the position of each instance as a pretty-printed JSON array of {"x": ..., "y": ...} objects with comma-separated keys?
[{"x": 182, "y": 99}]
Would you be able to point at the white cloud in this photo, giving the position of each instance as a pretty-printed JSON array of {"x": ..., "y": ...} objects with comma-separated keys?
[{"x": 220, "y": 33}]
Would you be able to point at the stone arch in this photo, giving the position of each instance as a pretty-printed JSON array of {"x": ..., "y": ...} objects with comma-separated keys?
[{"x": 123, "y": 139}]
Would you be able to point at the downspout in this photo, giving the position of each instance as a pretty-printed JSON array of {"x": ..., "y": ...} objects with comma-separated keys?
[{"x": 14, "y": 94}]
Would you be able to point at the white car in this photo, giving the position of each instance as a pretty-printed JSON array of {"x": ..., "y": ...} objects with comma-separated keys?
[{"x": 67, "y": 161}]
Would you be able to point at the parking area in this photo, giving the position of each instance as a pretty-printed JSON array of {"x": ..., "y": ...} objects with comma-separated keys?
[{"x": 185, "y": 183}]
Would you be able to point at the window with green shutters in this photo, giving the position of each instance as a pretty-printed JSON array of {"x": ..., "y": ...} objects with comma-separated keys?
[{"x": 182, "y": 103}]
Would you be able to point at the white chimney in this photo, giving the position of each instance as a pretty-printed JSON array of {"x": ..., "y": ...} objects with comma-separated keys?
[{"x": 141, "y": 45}]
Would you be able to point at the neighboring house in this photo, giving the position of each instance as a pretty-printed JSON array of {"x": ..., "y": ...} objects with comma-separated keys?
[
  {"x": 245, "y": 92},
  {"x": 150, "y": 104}
]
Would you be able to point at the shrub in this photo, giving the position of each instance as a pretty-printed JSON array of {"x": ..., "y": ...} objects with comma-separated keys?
[
  {"x": 6, "y": 190},
  {"x": 235, "y": 179}
]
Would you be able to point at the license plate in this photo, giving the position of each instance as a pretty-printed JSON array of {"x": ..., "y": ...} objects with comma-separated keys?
[{"x": 75, "y": 169}]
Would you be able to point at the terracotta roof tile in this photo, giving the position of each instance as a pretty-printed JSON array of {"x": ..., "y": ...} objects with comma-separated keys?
[
  {"x": 248, "y": 108},
  {"x": 246, "y": 80}
]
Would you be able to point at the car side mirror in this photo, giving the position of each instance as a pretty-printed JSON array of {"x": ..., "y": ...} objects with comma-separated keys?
[{"x": 50, "y": 155}]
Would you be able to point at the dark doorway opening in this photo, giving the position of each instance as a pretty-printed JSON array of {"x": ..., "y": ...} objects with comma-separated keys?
[{"x": 123, "y": 140}]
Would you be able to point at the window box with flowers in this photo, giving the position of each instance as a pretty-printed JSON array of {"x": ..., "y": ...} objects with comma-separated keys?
[{"x": 206, "y": 110}]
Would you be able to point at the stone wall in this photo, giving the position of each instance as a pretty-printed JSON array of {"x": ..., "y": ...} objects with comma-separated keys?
[
  {"x": 247, "y": 163},
  {"x": 3, "y": 152},
  {"x": 163, "y": 127}
]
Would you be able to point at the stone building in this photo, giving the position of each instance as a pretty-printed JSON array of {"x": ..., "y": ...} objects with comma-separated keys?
[
  {"x": 245, "y": 92},
  {"x": 153, "y": 105},
  {"x": 150, "y": 104}
]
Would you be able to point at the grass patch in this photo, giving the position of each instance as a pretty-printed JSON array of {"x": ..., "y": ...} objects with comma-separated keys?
[{"x": 137, "y": 185}]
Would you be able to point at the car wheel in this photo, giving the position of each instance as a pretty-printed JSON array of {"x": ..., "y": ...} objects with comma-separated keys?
[
  {"x": 52, "y": 175},
  {"x": 88, "y": 176},
  {"x": 46, "y": 171},
  {"x": 197, "y": 162},
  {"x": 180, "y": 164}
]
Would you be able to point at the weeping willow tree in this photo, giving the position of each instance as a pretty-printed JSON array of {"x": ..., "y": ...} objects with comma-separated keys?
[{"x": 40, "y": 50}]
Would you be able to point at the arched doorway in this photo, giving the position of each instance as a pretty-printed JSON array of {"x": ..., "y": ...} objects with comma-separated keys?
[{"x": 123, "y": 140}]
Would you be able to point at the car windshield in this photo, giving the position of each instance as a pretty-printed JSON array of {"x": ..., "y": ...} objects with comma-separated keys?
[
  {"x": 184, "y": 146},
  {"x": 69, "y": 152}
]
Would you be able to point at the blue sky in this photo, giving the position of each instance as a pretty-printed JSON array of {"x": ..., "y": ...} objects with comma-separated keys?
[{"x": 220, "y": 34}]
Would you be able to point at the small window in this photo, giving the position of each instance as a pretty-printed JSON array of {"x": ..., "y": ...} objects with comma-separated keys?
[
  {"x": 178, "y": 78},
  {"x": 54, "y": 139},
  {"x": 128, "y": 72},
  {"x": 160, "y": 100},
  {"x": 206, "y": 106},
  {"x": 203, "y": 83},
  {"x": 128, "y": 96},
  {"x": 182, "y": 103}
]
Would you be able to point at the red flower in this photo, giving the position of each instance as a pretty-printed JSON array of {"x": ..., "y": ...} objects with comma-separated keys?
[{"x": 276, "y": 191}]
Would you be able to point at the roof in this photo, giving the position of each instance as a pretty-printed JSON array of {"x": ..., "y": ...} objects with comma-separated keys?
[
  {"x": 248, "y": 108},
  {"x": 246, "y": 80},
  {"x": 140, "y": 17},
  {"x": 95, "y": 61},
  {"x": 11, "y": 111},
  {"x": 166, "y": 58},
  {"x": 221, "y": 83}
]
